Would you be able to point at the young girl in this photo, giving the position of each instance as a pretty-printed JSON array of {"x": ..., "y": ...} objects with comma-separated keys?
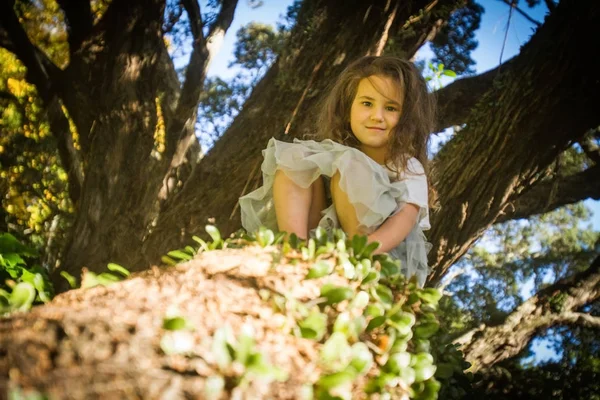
[{"x": 368, "y": 176}]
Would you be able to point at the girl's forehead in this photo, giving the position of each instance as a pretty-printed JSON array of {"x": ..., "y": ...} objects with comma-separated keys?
[{"x": 384, "y": 86}]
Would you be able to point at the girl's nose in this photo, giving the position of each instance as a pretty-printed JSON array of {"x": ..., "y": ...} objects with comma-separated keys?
[{"x": 377, "y": 114}]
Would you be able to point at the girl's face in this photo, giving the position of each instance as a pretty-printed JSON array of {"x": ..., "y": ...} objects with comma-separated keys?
[{"x": 374, "y": 114}]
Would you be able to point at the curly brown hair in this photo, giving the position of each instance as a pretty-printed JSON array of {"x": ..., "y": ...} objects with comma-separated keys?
[{"x": 410, "y": 137}]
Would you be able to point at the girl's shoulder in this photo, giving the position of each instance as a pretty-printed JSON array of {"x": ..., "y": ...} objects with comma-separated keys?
[{"x": 414, "y": 166}]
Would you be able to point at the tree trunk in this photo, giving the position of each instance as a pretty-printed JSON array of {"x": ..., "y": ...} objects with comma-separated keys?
[
  {"x": 328, "y": 35},
  {"x": 135, "y": 125},
  {"x": 115, "y": 94},
  {"x": 554, "y": 305},
  {"x": 543, "y": 102}
]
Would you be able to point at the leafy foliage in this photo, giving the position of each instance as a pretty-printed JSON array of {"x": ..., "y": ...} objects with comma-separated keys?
[
  {"x": 22, "y": 280},
  {"x": 379, "y": 327},
  {"x": 456, "y": 40}
]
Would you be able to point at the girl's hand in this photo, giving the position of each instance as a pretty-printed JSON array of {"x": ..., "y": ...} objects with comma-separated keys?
[{"x": 395, "y": 229}]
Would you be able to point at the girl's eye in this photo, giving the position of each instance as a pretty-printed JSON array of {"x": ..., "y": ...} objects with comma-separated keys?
[
  {"x": 366, "y": 103},
  {"x": 392, "y": 109}
]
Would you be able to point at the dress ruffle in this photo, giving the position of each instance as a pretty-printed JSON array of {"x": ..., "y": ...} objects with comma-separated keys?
[{"x": 304, "y": 161}]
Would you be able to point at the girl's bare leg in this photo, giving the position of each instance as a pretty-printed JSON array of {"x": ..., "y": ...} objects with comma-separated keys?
[
  {"x": 345, "y": 211},
  {"x": 297, "y": 209}
]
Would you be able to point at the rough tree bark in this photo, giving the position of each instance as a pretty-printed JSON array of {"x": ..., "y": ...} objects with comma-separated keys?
[
  {"x": 543, "y": 102},
  {"x": 557, "y": 304},
  {"x": 134, "y": 121}
]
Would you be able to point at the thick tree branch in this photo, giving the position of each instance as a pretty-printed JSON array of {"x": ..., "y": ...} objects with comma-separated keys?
[
  {"x": 578, "y": 318},
  {"x": 547, "y": 196},
  {"x": 556, "y": 304},
  {"x": 514, "y": 133},
  {"x": 193, "y": 11},
  {"x": 78, "y": 15},
  {"x": 202, "y": 54},
  {"x": 456, "y": 101}
]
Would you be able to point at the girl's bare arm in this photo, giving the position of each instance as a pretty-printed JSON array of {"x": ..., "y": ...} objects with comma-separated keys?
[{"x": 393, "y": 231}]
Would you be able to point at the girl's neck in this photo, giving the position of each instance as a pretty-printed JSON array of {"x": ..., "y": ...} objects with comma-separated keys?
[{"x": 377, "y": 154}]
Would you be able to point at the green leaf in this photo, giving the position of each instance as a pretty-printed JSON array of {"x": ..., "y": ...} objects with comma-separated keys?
[
  {"x": 372, "y": 277},
  {"x": 335, "y": 351},
  {"x": 449, "y": 73},
  {"x": 402, "y": 321},
  {"x": 429, "y": 295},
  {"x": 390, "y": 268},
  {"x": 179, "y": 255},
  {"x": 220, "y": 349},
  {"x": 398, "y": 361},
  {"x": 214, "y": 234},
  {"x": 22, "y": 296},
  {"x": 168, "y": 260},
  {"x": 42, "y": 287},
  {"x": 375, "y": 323},
  {"x": 336, "y": 379},
  {"x": 265, "y": 237},
  {"x": 374, "y": 310},
  {"x": 70, "y": 279},
  {"x": 369, "y": 249},
  {"x": 13, "y": 260},
  {"x": 424, "y": 372},
  {"x": 314, "y": 326},
  {"x": 117, "y": 268},
  {"x": 245, "y": 346},
  {"x": 358, "y": 244},
  {"x": 362, "y": 359},
  {"x": 335, "y": 294},
  {"x": 407, "y": 375},
  {"x": 321, "y": 236},
  {"x": 201, "y": 242},
  {"x": 10, "y": 244},
  {"x": 319, "y": 269},
  {"x": 176, "y": 324},
  {"x": 383, "y": 294},
  {"x": 360, "y": 300},
  {"x": 293, "y": 241},
  {"x": 426, "y": 330}
]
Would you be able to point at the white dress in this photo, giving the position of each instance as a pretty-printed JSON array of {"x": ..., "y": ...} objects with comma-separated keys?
[{"x": 376, "y": 192}]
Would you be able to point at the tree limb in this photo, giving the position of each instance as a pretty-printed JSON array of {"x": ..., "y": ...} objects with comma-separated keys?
[
  {"x": 547, "y": 196},
  {"x": 78, "y": 16},
  {"x": 484, "y": 346},
  {"x": 456, "y": 101},
  {"x": 578, "y": 318},
  {"x": 203, "y": 51}
]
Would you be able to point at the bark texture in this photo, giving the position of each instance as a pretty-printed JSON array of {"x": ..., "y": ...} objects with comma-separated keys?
[
  {"x": 554, "y": 305},
  {"x": 534, "y": 111}
]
